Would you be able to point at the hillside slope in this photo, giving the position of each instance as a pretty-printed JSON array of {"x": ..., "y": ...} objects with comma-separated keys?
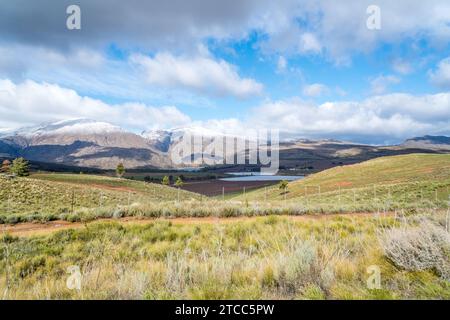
[
  {"x": 387, "y": 178},
  {"x": 55, "y": 194}
]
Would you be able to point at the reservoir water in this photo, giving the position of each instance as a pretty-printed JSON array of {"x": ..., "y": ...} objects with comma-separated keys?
[{"x": 252, "y": 176}]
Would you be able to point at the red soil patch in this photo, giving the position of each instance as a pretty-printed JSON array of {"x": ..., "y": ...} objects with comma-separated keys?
[
  {"x": 344, "y": 184},
  {"x": 34, "y": 229},
  {"x": 214, "y": 187},
  {"x": 101, "y": 186}
]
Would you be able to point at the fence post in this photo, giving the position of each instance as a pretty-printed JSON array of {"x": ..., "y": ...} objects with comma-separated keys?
[
  {"x": 223, "y": 193},
  {"x": 447, "y": 220},
  {"x": 339, "y": 194},
  {"x": 73, "y": 199},
  {"x": 448, "y": 216}
]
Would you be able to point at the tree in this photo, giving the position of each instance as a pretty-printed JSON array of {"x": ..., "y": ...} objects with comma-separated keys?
[
  {"x": 6, "y": 166},
  {"x": 120, "y": 170},
  {"x": 179, "y": 183},
  {"x": 283, "y": 185},
  {"x": 166, "y": 181},
  {"x": 20, "y": 167}
]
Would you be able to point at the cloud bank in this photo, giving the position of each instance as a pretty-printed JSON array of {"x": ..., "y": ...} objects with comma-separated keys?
[
  {"x": 30, "y": 103},
  {"x": 380, "y": 119},
  {"x": 200, "y": 73}
]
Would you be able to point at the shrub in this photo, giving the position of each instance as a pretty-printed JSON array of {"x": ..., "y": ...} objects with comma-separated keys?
[
  {"x": 301, "y": 267},
  {"x": 425, "y": 247}
]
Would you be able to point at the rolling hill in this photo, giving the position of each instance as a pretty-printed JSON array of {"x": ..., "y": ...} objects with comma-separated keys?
[
  {"x": 50, "y": 195},
  {"x": 402, "y": 179}
]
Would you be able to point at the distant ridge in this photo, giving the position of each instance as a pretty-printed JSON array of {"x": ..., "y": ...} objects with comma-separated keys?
[
  {"x": 95, "y": 144},
  {"x": 429, "y": 142}
]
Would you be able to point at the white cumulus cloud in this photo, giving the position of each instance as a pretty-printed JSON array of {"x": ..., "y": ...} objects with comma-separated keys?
[
  {"x": 382, "y": 119},
  {"x": 377, "y": 119},
  {"x": 200, "y": 72}
]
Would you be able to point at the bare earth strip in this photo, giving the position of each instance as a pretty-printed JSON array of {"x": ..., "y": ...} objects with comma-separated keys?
[{"x": 34, "y": 229}]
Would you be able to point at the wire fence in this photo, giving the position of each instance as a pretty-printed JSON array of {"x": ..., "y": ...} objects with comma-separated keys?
[{"x": 415, "y": 195}]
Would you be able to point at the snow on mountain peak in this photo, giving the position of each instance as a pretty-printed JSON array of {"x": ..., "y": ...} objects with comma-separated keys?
[
  {"x": 72, "y": 126},
  {"x": 156, "y": 135},
  {"x": 192, "y": 130}
]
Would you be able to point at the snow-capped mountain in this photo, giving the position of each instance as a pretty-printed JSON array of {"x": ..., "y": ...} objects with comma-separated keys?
[
  {"x": 159, "y": 139},
  {"x": 90, "y": 143},
  {"x": 82, "y": 142},
  {"x": 192, "y": 130},
  {"x": 73, "y": 126},
  {"x": 163, "y": 140}
]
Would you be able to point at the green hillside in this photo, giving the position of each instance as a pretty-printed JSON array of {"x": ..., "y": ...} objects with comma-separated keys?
[
  {"x": 54, "y": 194},
  {"x": 400, "y": 179},
  {"x": 409, "y": 182}
]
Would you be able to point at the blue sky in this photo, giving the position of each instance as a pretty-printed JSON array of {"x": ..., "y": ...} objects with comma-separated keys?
[{"x": 308, "y": 68}]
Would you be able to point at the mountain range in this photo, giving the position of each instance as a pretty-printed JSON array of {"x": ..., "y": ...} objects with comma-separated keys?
[{"x": 95, "y": 144}]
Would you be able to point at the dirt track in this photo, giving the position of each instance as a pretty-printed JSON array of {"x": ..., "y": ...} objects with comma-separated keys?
[{"x": 32, "y": 229}]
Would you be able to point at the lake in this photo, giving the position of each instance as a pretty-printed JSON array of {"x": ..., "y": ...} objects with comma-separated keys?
[{"x": 254, "y": 176}]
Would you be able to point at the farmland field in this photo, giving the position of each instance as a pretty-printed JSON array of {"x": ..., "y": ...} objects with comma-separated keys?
[{"x": 229, "y": 188}]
